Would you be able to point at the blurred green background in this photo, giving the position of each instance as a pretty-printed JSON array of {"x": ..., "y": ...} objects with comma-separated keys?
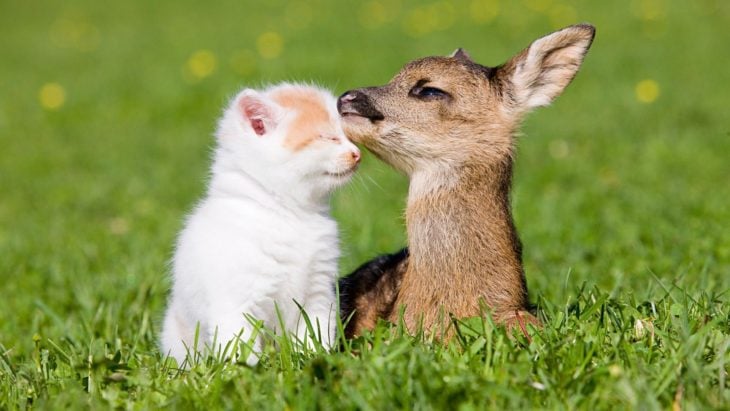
[{"x": 107, "y": 112}]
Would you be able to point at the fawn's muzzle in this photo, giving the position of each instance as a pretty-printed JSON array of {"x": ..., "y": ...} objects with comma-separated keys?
[{"x": 357, "y": 103}]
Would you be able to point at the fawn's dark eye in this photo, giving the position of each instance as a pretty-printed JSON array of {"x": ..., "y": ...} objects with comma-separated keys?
[{"x": 428, "y": 93}]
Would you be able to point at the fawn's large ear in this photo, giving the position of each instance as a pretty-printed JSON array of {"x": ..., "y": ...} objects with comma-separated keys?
[
  {"x": 541, "y": 72},
  {"x": 256, "y": 111}
]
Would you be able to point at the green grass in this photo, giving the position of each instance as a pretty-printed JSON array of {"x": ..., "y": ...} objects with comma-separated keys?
[{"x": 621, "y": 204}]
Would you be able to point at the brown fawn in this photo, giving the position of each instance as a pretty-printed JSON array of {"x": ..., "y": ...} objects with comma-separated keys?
[{"x": 450, "y": 125}]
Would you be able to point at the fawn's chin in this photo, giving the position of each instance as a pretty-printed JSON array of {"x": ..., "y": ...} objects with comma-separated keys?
[
  {"x": 399, "y": 163},
  {"x": 358, "y": 129}
]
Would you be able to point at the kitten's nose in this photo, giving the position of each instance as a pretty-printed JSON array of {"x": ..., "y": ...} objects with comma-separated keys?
[{"x": 355, "y": 156}]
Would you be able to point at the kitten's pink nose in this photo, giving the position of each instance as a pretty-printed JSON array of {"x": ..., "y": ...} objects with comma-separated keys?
[{"x": 355, "y": 156}]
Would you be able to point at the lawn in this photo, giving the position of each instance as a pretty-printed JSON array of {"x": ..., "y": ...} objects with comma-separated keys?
[{"x": 620, "y": 196}]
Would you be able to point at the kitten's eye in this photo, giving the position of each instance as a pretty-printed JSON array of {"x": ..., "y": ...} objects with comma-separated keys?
[
  {"x": 329, "y": 137},
  {"x": 428, "y": 93}
]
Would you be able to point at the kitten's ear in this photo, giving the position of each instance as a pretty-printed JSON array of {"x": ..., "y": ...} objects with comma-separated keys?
[
  {"x": 256, "y": 111},
  {"x": 542, "y": 71}
]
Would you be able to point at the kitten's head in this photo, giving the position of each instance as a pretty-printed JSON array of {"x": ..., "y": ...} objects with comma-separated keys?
[{"x": 289, "y": 137}]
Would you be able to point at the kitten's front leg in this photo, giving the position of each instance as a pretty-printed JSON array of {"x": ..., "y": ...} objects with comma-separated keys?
[
  {"x": 177, "y": 335},
  {"x": 234, "y": 328},
  {"x": 321, "y": 314}
]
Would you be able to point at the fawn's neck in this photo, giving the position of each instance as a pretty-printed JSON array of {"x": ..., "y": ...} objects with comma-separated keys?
[{"x": 462, "y": 238}]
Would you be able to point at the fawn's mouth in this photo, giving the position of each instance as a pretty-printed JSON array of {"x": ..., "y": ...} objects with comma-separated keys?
[
  {"x": 351, "y": 113},
  {"x": 356, "y": 116}
]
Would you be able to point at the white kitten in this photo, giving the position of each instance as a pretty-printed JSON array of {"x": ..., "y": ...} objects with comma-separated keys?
[{"x": 262, "y": 237}]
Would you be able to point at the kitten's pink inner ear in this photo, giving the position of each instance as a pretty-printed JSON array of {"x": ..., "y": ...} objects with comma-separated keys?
[
  {"x": 256, "y": 112},
  {"x": 258, "y": 126}
]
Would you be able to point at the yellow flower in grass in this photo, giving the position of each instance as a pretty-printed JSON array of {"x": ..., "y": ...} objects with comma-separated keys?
[
  {"x": 118, "y": 225},
  {"x": 52, "y": 96},
  {"x": 270, "y": 44},
  {"x": 298, "y": 15},
  {"x": 424, "y": 20},
  {"x": 373, "y": 14},
  {"x": 647, "y": 91},
  {"x": 649, "y": 10},
  {"x": 74, "y": 30},
  {"x": 201, "y": 64},
  {"x": 483, "y": 11}
]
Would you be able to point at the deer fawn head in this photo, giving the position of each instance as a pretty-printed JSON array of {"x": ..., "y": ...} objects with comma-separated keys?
[{"x": 445, "y": 111}]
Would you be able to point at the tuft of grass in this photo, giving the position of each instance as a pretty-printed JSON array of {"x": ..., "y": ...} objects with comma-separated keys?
[{"x": 620, "y": 197}]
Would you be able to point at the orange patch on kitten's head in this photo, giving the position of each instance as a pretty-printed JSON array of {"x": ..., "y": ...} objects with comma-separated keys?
[{"x": 312, "y": 117}]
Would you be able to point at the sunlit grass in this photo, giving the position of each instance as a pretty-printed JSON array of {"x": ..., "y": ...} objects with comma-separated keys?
[{"x": 106, "y": 121}]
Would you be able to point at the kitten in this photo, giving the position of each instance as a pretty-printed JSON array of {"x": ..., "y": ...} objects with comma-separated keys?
[{"x": 262, "y": 238}]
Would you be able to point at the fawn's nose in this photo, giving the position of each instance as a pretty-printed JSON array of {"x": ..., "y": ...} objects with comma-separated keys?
[
  {"x": 348, "y": 96},
  {"x": 349, "y": 99},
  {"x": 357, "y": 103}
]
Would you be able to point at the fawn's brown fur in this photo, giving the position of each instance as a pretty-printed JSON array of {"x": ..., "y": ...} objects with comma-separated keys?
[{"x": 450, "y": 124}]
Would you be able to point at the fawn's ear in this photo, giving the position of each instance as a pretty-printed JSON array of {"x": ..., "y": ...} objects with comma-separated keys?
[
  {"x": 541, "y": 72},
  {"x": 461, "y": 54},
  {"x": 256, "y": 111}
]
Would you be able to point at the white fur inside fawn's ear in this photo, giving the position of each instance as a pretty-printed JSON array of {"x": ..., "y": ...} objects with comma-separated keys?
[
  {"x": 256, "y": 111},
  {"x": 542, "y": 71}
]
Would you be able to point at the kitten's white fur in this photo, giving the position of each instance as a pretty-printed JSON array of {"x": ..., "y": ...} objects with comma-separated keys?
[{"x": 262, "y": 237}]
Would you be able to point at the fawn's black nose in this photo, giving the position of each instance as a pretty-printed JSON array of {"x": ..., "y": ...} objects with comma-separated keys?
[{"x": 358, "y": 103}]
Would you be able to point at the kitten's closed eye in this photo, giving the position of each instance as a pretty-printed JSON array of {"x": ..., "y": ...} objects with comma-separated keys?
[{"x": 330, "y": 137}]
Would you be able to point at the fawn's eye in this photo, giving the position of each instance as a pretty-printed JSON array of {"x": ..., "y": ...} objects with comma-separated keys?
[{"x": 428, "y": 93}]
